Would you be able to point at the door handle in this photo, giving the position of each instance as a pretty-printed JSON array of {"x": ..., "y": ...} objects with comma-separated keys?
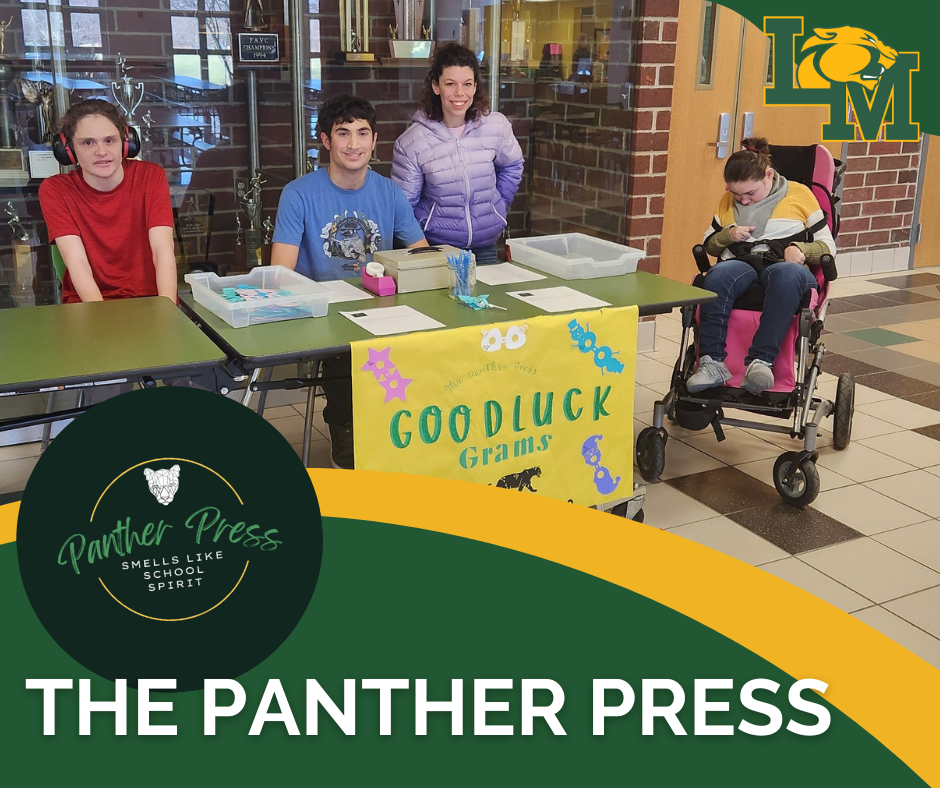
[
  {"x": 724, "y": 135},
  {"x": 747, "y": 127}
]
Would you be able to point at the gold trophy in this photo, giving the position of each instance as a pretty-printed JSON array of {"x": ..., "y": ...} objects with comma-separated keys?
[
  {"x": 12, "y": 163},
  {"x": 517, "y": 38},
  {"x": 40, "y": 94},
  {"x": 354, "y": 32},
  {"x": 24, "y": 258},
  {"x": 250, "y": 199},
  {"x": 254, "y": 16},
  {"x": 409, "y": 39}
]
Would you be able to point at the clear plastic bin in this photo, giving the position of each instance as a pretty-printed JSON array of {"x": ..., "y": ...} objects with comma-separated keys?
[
  {"x": 307, "y": 298},
  {"x": 574, "y": 256}
]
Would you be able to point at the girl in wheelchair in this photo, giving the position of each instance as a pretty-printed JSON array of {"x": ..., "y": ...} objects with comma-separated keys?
[
  {"x": 762, "y": 336},
  {"x": 767, "y": 229}
]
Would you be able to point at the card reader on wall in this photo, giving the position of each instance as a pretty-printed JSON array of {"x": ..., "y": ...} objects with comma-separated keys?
[{"x": 421, "y": 268}]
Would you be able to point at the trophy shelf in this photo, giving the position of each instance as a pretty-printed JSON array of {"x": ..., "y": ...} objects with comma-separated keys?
[{"x": 380, "y": 63}]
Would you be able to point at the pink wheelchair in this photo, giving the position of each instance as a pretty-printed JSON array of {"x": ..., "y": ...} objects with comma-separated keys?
[{"x": 796, "y": 369}]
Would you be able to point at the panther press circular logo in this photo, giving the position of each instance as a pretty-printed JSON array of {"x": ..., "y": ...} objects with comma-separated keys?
[{"x": 169, "y": 533}]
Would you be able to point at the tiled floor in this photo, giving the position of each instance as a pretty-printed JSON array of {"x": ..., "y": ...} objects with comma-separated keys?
[{"x": 870, "y": 544}]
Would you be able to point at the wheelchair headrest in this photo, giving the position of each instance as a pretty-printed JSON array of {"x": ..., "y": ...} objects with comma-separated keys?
[{"x": 814, "y": 167}]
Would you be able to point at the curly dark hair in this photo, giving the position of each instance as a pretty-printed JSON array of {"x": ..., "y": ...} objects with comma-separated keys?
[
  {"x": 749, "y": 164},
  {"x": 87, "y": 108},
  {"x": 453, "y": 54},
  {"x": 343, "y": 109}
]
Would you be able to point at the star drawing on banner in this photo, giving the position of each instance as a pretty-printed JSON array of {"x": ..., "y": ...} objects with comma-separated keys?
[
  {"x": 379, "y": 364},
  {"x": 395, "y": 386}
]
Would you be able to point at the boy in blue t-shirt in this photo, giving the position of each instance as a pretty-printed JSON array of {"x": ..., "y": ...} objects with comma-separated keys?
[{"x": 330, "y": 222}]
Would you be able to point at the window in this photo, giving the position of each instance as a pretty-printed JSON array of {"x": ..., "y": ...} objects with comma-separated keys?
[
  {"x": 35, "y": 27},
  {"x": 42, "y": 29},
  {"x": 185, "y": 32},
  {"x": 709, "y": 29},
  {"x": 314, "y": 36},
  {"x": 188, "y": 66},
  {"x": 770, "y": 61},
  {"x": 86, "y": 30},
  {"x": 219, "y": 34},
  {"x": 207, "y": 31},
  {"x": 220, "y": 69}
]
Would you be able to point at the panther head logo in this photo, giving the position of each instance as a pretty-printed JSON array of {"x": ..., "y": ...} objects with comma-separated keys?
[
  {"x": 843, "y": 54},
  {"x": 164, "y": 483}
]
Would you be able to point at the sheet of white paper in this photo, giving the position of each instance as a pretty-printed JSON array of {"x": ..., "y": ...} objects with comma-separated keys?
[
  {"x": 558, "y": 299},
  {"x": 505, "y": 274},
  {"x": 341, "y": 290},
  {"x": 391, "y": 320}
]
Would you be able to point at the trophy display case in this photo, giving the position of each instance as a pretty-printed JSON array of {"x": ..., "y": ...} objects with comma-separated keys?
[{"x": 225, "y": 94}]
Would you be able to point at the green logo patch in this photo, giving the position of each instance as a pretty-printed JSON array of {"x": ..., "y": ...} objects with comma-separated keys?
[{"x": 169, "y": 533}]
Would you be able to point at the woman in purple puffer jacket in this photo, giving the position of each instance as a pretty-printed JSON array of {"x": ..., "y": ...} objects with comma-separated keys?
[{"x": 458, "y": 164}]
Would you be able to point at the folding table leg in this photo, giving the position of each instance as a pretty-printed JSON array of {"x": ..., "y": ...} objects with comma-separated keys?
[
  {"x": 246, "y": 400},
  {"x": 308, "y": 414},
  {"x": 47, "y": 427},
  {"x": 266, "y": 378}
]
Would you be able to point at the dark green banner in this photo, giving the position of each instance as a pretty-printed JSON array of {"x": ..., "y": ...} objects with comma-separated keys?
[{"x": 401, "y": 603}]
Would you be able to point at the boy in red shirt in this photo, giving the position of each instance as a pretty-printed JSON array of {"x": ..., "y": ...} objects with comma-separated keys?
[{"x": 111, "y": 217}]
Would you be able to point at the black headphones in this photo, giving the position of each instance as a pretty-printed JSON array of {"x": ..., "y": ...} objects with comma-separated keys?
[{"x": 62, "y": 149}]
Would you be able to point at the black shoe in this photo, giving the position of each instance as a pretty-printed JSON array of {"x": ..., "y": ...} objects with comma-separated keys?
[{"x": 341, "y": 453}]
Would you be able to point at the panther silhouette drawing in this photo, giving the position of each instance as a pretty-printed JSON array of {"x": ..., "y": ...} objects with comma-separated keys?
[
  {"x": 843, "y": 54},
  {"x": 521, "y": 480}
]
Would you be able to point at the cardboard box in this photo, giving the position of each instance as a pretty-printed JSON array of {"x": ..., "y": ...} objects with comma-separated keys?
[{"x": 424, "y": 268}]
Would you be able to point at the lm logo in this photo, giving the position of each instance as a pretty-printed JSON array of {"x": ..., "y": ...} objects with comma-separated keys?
[{"x": 842, "y": 66}]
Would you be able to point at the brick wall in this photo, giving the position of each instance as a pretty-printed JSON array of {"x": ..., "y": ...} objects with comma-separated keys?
[
  {"x": 199, "y": 136},
  {"x": 655, "y": 72},
  {"x": 580, "y": 142},
  {"x": 877, "y": 207},
  {"x": 579, "y": 170},
  {"x": 878, "y": 195}
]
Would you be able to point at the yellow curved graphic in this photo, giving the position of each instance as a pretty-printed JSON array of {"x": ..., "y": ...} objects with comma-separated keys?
[
  {"x": 8, "y": 514},
  {"x": 162, "y": 459},
  {"x": 187, "y": 618},
  {"x": 879, "y": 684},
  {"x": 843, "y": 54}
]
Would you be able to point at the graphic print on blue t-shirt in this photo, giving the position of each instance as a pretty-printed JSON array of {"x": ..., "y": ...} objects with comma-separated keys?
[
  {"x": 351, "y": 238},
  {"x": 338, "y": 230}
]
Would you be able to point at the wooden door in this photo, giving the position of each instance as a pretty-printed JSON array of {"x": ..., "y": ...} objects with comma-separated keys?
[
  {"x": 693, "y": 171},
  {"x": 694, "y": 182},
  {"x": 780, "y": 124},
  {"x": 927, "y": 249}
]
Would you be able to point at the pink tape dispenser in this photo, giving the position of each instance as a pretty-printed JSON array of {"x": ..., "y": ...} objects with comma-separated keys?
[{"x": 375, "y": 281}]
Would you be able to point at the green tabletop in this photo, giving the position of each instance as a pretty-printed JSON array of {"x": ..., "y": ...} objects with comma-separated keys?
[
  {"x": 74, "y": 344},
  {"x": 318, "y": 337}
]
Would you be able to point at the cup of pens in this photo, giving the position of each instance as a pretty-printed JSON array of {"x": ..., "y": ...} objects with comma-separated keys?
[{"x": 462, "y": 272}]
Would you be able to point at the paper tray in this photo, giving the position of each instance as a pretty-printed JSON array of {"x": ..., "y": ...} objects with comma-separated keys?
[
  {"x": 574, "y": 256},
  {"x": 307, "y": 298}
]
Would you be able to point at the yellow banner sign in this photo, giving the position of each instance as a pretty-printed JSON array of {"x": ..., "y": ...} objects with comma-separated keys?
[{"x": 543, "y": 405}]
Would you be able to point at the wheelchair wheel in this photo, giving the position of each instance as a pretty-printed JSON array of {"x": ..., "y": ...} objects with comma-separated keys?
[
  {"x": 803, "y": 487},
  {"x": 651, "y": 453},
  {"x": 843, "y": 412},
  {"x": 620, "y": 510}
]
